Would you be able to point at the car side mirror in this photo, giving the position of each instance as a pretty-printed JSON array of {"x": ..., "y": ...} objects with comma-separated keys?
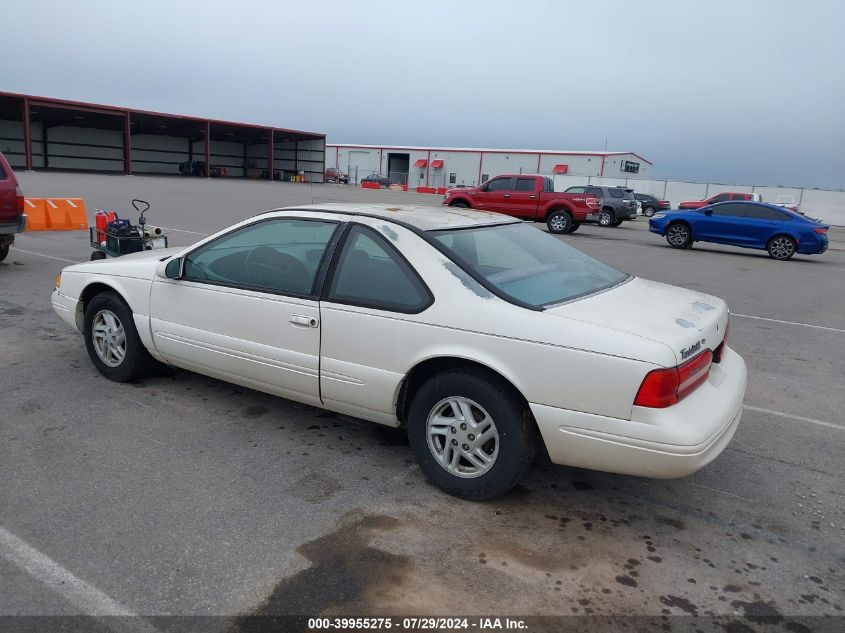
[{"x": 170, "y": 268}]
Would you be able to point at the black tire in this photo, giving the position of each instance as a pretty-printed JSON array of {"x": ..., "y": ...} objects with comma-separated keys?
[
  {"x": 97, "y": 255},
  {"x": 575, "y": 226},
  {"x": 782, "y": 247},
  {"x": 136, "y": 361},
  {"x": 607, "y": 218},
  {"x": 517, "y": 440},
  {"x": 649, "y": 211},
  {"x": 616, "y": 223},
  {"x": 559, "y": 222},
  {"x": 4, "y": 252},
  {"x": 679, "y": 235},
  {"x": 460, "y": 204}
]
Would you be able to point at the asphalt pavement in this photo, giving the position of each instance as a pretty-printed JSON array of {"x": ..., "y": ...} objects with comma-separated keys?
[{"x": 182, "y": 494}]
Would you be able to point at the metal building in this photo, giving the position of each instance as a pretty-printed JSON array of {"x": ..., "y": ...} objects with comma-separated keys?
[
  {"x": 42, "y": 133},
  {"x": 429, "y": 169}
]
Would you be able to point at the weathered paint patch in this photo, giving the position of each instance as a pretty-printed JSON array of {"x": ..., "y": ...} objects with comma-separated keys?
[
  {"x": 684, "y": 323},
  {"x": 389, "y": 232},
  {"x": 701, "y": 306},
  {"x": 468, "y": 282}
]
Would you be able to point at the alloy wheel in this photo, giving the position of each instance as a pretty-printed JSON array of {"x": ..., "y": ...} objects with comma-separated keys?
[
  {"x": 462, "y": 437},
  {"x": 109, "y": 338}
]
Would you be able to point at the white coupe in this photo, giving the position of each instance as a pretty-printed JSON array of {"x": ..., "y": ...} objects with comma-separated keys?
[{"x": 483, "y": 336}]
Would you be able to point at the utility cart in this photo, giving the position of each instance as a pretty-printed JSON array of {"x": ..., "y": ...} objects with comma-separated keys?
[{"x": 112, "y": 236}]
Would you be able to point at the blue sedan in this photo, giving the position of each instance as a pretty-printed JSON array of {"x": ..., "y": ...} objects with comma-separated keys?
[{"x": 748, "y": 224}]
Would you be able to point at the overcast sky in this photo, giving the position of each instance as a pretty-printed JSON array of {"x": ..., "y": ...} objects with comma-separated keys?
[{"x": 731, "y": 91}]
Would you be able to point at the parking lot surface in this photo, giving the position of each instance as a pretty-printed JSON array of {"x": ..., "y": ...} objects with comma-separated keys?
[{"x": 181, "y": 494}]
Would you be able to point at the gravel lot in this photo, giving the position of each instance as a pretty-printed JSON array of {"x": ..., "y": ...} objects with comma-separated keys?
[{"x": 185, "y": 495}]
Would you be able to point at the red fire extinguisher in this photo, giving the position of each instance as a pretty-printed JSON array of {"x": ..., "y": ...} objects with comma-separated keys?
[{"x": 101, "y": 220}]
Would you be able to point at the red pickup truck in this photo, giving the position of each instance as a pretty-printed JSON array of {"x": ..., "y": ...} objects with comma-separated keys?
[
  {"x": 12, "y": 216},
  {"x": 530, "y": 198},
  {"x": 719, "y": 197}
]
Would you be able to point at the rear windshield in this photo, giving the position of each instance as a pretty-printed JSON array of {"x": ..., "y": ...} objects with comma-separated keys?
[{"x": 527, "y": 264}]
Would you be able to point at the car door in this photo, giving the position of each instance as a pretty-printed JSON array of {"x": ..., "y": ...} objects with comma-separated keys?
[
  {"x": 495, "y": 195},
  {"x": 244, "y": 308},
  {"x": 371, "y": 297},
  {"x": 759, "y": 224},
  {"x": 523, "y": 198},
  {"x": 720, "y": 223}
]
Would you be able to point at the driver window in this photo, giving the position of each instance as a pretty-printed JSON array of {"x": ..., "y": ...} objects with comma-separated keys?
[{"x": 279, "y": 255}]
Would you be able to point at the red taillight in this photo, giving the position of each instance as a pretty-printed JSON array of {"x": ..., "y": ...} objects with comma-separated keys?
[
  {"x": 664, "y": 387},
  {"x": 593, "y": 203},
  {"x": 822, "y": 231},
  {"x": 19, "y": 203}
]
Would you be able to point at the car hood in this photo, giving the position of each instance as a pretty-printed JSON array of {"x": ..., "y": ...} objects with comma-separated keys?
[
  {"x": 141, "y": 265},
  {"x": 687, "y": 321}
]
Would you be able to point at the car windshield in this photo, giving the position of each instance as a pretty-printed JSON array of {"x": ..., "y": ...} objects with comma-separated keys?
[{"x": 527, "y": 264}]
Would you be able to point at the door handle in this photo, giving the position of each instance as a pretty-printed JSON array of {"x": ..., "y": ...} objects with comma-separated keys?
[
  {"x": 507, "y": 195},
  {"x": 307, "y": 321},
  {"x": 532, "y": 196}
]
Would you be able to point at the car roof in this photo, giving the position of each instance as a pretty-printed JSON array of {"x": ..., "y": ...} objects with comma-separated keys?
[
  {"x": 421, "y": 217},
  {"x": 789, "y": 212}
]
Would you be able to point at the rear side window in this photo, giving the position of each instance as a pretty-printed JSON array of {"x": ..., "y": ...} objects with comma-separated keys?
[
  {"x": 594, "y": 191},
  {"x": 722, "y": 197},
  {"x": 501, "y": 184},
  {"x": 524, "y": 184},
  {"x": 740, "y": 196},
  {"x": 576, "y": 190},
  {"x": 616, "y": 193},
  {"x": 763, "y": 213},
  {"x": 372, "y": 274}
]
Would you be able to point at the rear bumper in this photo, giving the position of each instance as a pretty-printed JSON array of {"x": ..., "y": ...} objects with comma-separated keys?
[
  {"x": 659, "y": 443},
  {"x": 806, "y": 247},
  {"x": 17, "y": 226}
]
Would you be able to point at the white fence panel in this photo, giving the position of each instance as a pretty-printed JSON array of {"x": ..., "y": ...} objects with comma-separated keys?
[
  {"x": 677, "y": 192},
  {"x": 786, "y": 195},
  {"x": 828, "y": 206}
]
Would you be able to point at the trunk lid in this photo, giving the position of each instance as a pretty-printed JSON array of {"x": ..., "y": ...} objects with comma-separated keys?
[{"x": 685, "y": 320}]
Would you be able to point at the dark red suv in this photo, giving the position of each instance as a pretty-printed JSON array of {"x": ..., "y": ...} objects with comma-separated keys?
[{"x": 12, "y": 216}]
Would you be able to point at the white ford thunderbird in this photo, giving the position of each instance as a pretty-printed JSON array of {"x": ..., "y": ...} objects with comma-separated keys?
[{"x": 487, "y": 338}]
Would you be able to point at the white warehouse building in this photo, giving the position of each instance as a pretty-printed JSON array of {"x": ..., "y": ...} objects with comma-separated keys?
[{"x": 428, "y": 169}]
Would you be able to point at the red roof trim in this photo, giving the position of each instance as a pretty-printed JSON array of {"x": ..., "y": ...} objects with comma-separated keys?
[{"x": 119, "y": 110}]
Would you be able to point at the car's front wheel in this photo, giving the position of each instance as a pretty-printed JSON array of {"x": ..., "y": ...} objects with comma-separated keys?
[
  {"x": 460, "y": 204},
  {"x": 112, "y": 340},
  {"x": 559, "y": 222},
  {"x": 471, "y": 434},
  {"x": 678, "y": 235},
  {"x": 607, "y": 218},
  {"x": 781, "y": 247}
]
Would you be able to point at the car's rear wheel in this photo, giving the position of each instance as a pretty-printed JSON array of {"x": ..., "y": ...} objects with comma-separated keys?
[
  {"x": 471, "y": 434},
  {"x": 648, "y": 212},
  {"x": 112, "y": 340},
  {"x": 678, "y": 235},
  {"x": 559, "y": 222},
  {"x": 4, "y": 252},
  {"x": 607, "y": 218},
  {"x": 781, "y": 247},
  {"x": 460, "y": 204}
]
